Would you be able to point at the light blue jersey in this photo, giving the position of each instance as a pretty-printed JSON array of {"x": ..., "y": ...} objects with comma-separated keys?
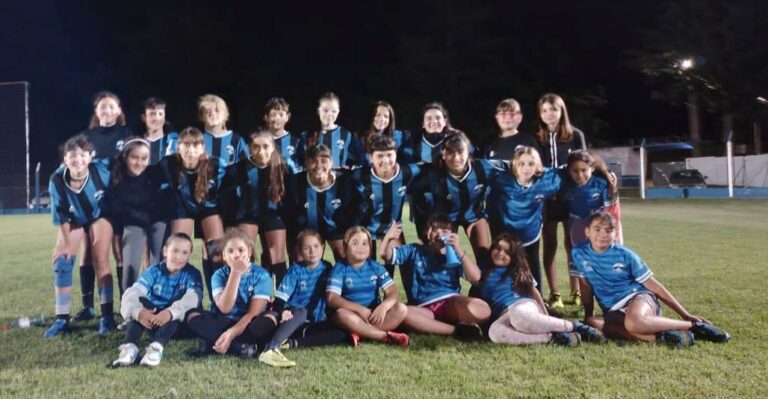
[
  {"x": 585, "y": 200},
  {"x": 615, "y": 275},
  {"x": 81, "y": 206},
  {"x": 515, "y": 209},
  {"x": 426, "y": 277},
  {"x": 162, "y": 288},
  {"x": 360, "y": 285},
  {"x": 499, "y": 290},
  {"x": 255, "y": 283},
  {"x": 303, "y": 287}
]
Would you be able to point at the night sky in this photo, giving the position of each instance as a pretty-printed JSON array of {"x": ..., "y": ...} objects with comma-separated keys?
[{"x": 468, "y": 55}]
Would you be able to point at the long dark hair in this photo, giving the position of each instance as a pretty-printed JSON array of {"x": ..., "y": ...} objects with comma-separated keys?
[
  {"x": 314, "y": 133},
  {"x": 204, "y": 168},
  {"x": 121, "y": 161},
  {"x": 564, "y": 128},
  {"x": 518, "y": 269},
  {"x": 597, "y": 164},
  {"x": 368, "y": 135},
  {"x": 276, "y": 166}
]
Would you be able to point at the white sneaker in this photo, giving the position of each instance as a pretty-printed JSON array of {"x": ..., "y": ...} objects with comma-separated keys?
[
  {"x": 128, "y": 355},
  {"x": 152, "y": 355}
]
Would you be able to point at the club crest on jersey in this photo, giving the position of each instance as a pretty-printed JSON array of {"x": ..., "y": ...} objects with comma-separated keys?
[
  {"x": 373, "y": 279},
  {"x": 303, "y": 285},
  {"x": 538, "y": 197},
  {"x": 596, "y": 196},
  {"x": 492, "y": 154},
  {"x": 98, "y": 195},
  {"x": 449, "y": 197},
  {"x": 119, "y": 145},
  {"x": 230, "y": 149},
  {"x": 617, "y": 267},
  {"x": 479, "y": 187},
  {"x": 290, "y": 150},
  {"x": 157, "y": 289},
  {"x": 372, "y": 197},
  {"x": 348, "y": 282},
  {"x": 340, "y": 144},
  {"x": 71, "y": 209},
  {"x": 211, "y": 184},
  {"x": 401, "y": 191},
  {"x": 336, "y": 203},
  {"x": 306, "y": 205},
  {"x": 587, "y": 266}
]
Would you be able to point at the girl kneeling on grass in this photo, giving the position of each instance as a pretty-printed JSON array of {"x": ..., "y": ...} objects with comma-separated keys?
[
  {"x": 629, "y": 294},
  {"x": 241, "y": 291},
  {"x": 158, "y": 302},
  {"x": 353, "y": 292},
  {"x": 521, "y": 315}
]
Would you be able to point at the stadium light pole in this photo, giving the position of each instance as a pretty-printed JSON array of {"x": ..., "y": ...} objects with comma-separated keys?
[
  {"x": 729, "y": 163},
  {"x": 684, "y": 65}
]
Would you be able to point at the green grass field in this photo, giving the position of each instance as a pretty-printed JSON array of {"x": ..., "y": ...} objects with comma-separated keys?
[{"x": 710, "y": 254}]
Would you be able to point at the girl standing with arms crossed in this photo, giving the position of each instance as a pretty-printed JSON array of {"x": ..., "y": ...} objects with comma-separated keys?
[
  {"x": 557, "y": 138},
  {"x": 77, "y": 190}
]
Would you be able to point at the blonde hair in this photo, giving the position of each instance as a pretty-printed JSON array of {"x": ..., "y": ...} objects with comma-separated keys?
[
  {"x": 519, "y": 152},
  {"x": 217, "y": 101}
]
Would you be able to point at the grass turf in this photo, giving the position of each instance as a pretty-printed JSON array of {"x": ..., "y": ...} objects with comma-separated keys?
[{"x": 710, "y": 254}]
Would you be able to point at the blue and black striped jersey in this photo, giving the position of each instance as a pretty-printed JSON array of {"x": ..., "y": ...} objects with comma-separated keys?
[
  {"x": 179, "y": 183},
  {"x": 338, "y": 141},
  {"x": 381, "y": 201},
  {"x": 162, "y": 146},
  {"x": 81, "y": 206},
  {"x": 329, "y": 211},
  {"x": 291, "y": 148},
  {"x": 244, "y": 192},
  {"x": 229, "y": 148}
]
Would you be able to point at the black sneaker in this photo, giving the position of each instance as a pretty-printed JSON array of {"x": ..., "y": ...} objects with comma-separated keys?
[
  {"x": 468, "y": 332},
  {"x": 588, "y": 333},
  {"x": 86, "y": 313},
  {"x": 569, "y": 339},
  {"x": 709, "y": 332},
  {"x": 675, "y": 339}
]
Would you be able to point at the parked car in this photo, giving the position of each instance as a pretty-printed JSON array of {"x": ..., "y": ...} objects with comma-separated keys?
[
  {"x": 687, "y": 178},
  {"x": 45, "y": 201}
]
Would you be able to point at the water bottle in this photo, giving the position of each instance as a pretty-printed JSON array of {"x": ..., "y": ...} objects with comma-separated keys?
[
  {"x": 451, "y": 259},
  {"x": 25, "y": 322}
]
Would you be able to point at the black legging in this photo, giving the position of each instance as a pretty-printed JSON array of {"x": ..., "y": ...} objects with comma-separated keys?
[
  {"x": 161, "y": 334},
  {"x": 209, "y": 327},
  {"x": 534, "y": 263}
]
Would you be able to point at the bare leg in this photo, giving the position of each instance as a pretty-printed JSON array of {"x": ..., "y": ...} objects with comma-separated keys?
[
  {"x": 640, "y": 319},
  {"x": 186, "y": 226},
  {"x": 423, "y": 321},
  {"x": 337, "y": 246},
  {"x": 463, "y": 309},
  {"x": 350, "y": 321}
]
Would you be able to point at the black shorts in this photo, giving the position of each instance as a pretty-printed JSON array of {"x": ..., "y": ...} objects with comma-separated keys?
[
  {"x": 556, "y": 210},
  {"x": 268, "y": 222},
  {"x": 197, "y": 214}
]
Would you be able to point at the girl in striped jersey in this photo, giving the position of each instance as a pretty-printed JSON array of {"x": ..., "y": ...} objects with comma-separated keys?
[
  {"x": 190, "y": 180},
  {"x": 220, "y": 142},
  {"x": 520, "y": 313},
  {"x": 428, "y": 142},
  {"x": 381, "y": 189},
  {"x": 334, "y": 136},
  {"x": 277, "y": 113},
  {"x": 76, "y": 191},
  {"x": 321, "y": 200},
  {"x": 161, "y": 144},
  {"x": 457, "y": 186},
  {"x": 382, "y": 124},
  {"x": 588, "y": 192},
  {"x": 516, "y": 201},
  {"x": 252, "y": 189}
]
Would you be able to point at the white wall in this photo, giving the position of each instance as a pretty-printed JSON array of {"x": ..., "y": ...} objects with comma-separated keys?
[{"x": 749, "y": 171}]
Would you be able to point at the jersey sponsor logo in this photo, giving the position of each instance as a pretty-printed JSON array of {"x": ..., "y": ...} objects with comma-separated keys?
[
  {"x": 336, "y": 203},
  {"x": 617, "y": 267},
  {"x": 401, "y": 191},
  {"x": 340, "y": 144},
  {"x": 98, "y": 195}
]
